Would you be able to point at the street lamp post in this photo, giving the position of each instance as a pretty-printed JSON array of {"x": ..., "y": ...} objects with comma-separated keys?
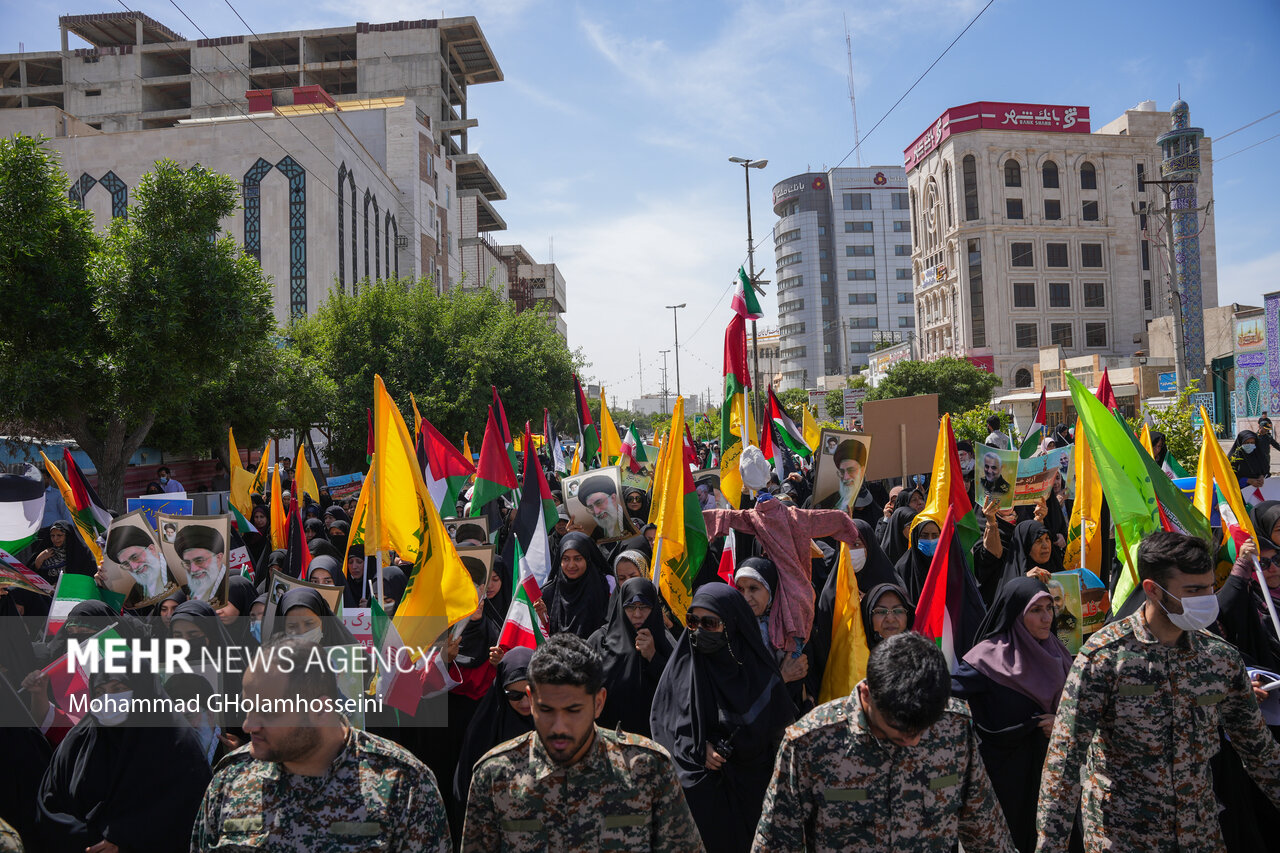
[
  {"x": 747, "y": 165},
  {"x": 675, "y": 321}
]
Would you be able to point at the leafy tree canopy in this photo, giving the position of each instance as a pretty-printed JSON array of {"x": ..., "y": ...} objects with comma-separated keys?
[{"x": 959, "y": 384}]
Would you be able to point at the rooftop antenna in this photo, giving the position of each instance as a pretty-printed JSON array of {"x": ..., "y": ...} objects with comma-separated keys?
[{"x": 853, "y": 101}]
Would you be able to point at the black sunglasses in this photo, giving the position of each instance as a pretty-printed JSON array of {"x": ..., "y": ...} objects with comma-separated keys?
[
  {"x": 710, "y": 623},
  {"x": 515, "y": 695}
]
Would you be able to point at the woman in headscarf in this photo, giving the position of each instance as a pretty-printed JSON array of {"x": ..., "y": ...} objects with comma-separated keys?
[
  {"x": 86, "y": 619},
  {"x": 1013, "y": 678},
  {"x": 235, "y": 613},
  {"x": 578, "y": 595},
  {"x": 1248, "y": 465},
  {"x": 322, "y": 547},
  {"x": 394, "y": 583},
  {"x": 634, "y": 646},
  {"x": 886, "y": 610},
  {"x": 198, "y": 624},
  {"x": 304, "y": 613},
  {"x": 893, "y": 538},
  {"x": 272, "y": 561},
  {"x": 132, "y": 779},
  {"x": 913, "y": 565},
  {"x": 637, "y": 505},
  {"x": 479, "y": 638},
  {"x": 1030, "y": 547},
  {"x": 1159, "y": 447},
  {"x": 720, "y": 710},
  {"x": 63, "y": 551},
  {"x": 339, "y": 532},
  {"x": 630, "y": 563},
  {"x": 327, "y": 570},
  {"x": 756, "y": 579},
  {"x": 313, "y": 528},
  {"x": 503, "y": 714},
  {"x": 162, "y": 612}
]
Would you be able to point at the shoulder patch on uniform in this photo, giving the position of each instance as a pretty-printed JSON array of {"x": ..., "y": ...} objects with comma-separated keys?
[
  {"x": 958, "y": 706},
  {"x": 635, "y": 741},
  {"x": 387, "y": 749},
  {"x": 1106, "y": 636}
]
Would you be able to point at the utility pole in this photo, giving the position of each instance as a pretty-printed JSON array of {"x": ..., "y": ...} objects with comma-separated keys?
[
  {"x": 747, "y": 165},
  {"x": 675, "y": 320},
  {"x": 664, "y": 379}
]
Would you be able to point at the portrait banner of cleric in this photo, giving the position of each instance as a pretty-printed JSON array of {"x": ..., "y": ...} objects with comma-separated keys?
[
  {"x": 133, "y": 564},
  {"x": 198, "y": 555},
  {"x": 594, "y": 501},
  {"x": 841, "y": 468}
]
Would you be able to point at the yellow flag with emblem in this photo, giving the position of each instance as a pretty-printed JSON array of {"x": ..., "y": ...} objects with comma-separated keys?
[{"x": 847, "y": 660}]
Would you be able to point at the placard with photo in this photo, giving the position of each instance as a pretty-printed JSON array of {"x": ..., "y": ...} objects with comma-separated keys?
[
  {"x": 133, "y": 564},
  {"x": 594, "y": 502},
  {"x": 473, "y": 529},
  {"x": 198, "y": 553},
  {"x": 280, "y": 584},
  {"x": 1068, "y": 622},
  {"x": 841, "y": 467}
]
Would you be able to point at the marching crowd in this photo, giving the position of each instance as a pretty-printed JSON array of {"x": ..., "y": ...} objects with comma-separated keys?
[{"x": 630, "y": 729}]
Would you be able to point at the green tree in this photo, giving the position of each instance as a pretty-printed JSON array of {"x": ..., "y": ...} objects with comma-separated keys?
[
  {"x": 972, "y": 425},
  {"x": 446, "y": 349},
  {"x": 101, "y": 335},
  {"x": 959, "y": 384},
  {"x": 795, "y": 400},
  {"x": 835, "y": 405},
  {"x": 1181, "y": 434}
]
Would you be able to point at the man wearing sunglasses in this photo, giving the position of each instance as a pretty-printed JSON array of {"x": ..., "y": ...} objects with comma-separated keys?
[
  {"x": 570, "y": 785},
  {"x": 894, "y": 766}
]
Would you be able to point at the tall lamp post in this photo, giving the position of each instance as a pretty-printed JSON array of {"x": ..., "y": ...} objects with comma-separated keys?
[
  {"x": 747, "y": 165},
  {"x": 675, "y": 322}
]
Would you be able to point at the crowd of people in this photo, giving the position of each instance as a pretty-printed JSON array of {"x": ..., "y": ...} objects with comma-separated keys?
[{"x": 633, "y": 728}]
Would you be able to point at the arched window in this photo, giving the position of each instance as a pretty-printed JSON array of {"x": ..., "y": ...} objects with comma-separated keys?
[
  {"x": 1088, "y": 176},
  {"x": 1252, "y": 397},
  {"x": 1049, "y": 175},
  {"x": 1022, "y": 379},
  {"x": 1012, "y": 173},
  {"x": 969, "y": 170},
  {"x": 946, "y": 187},
  {"x": 915, "y": 217}
]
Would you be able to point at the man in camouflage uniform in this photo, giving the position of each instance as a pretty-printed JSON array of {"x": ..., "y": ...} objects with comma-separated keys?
[
  {"x": 569, "y": 785},
  {"x": 894, "y": 766},
  {"x": 1141, "y": 711},
  {"x": 310, "y": 783}
]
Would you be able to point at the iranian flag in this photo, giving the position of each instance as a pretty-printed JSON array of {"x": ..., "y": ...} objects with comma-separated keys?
[
  {"x": 735, "y": 414},
  {"x": 494, "y": 476},
  {"x": 553, "y": 444},
  {"x": 21, "y": 508},
  {"x": 633, "y": 450},
  {"x": 588, "y": 435},
  {"x": 528, "y": 550},
  {"x": 1035, "y": 432},
  {"x": 744, "y": 303},
  {"x": 950, "y": 607},
  {"x": 446, "y": 471},
  {"x": 14, "y": 575},
  {"x": 70, "y": 591},
  {"x": 68, "y": 678},
  {"x": 414, "y": 675}
]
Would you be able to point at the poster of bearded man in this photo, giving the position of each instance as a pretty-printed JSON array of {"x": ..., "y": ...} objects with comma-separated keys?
[
  {"x": 132, "y": 562},
  {"x": 594, "y": 502},
  {"x": 198, "y": 554},
  {"x": 841, "y": 467}
]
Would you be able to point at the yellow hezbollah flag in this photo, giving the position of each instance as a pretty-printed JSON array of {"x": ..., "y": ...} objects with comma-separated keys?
[
  {"x": 1083, "y": 528},
  {"x": 261, "y": 475},
  {"x": 576, "y": 468},
  {"x": 440, "y": 590},
  {"x": 304, "y": 482},
  {"x": 69, "y": 498},
  {"x": 241, "y": 480},
  {"x": 1215, "y": 469},
  {"x": 279, "y": 540},
  {"x": 847, "y": 661},
  {"x": 466, "y": 448},
  {"x": 1145, "y": 439},
  {"x": 811, "y": 432},
  {"x": 610, "y": 443},
  {"x": 681, "y": 543},
  {"x": 417, "y": 418}
]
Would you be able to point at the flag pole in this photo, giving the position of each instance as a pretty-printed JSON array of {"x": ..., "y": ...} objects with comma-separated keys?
[{"x": 1271, "y": 605}]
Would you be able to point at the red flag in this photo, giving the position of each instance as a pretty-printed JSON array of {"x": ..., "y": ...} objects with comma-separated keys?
[
  {"x": 1105, "y": 393},
  {"x": 368, "y": 448},
  {"x": 502, "y": 417},
  {"x": 494, "y": 475},
  {"x": 950, "y": 607},
  {"x": 690, "y": 449},
  {"x": 296, "y": 544}
]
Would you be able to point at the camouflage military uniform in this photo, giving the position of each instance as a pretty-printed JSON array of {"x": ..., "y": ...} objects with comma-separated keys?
[
  {"x": 837, "y": 787},
  {"x": 622, "y": 795},
  {"x": 10, "y": 841},
  {"x": 375, "y": 797},
  {"x": 1142, "y": 718}
]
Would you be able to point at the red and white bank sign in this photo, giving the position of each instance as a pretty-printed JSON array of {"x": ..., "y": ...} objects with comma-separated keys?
[{"x": 992, "y": 115}]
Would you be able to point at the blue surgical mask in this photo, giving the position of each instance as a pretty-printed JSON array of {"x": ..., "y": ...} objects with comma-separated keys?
[
  {"x": 1248, "y": 448},
  {"x": 927, "y": 546},
  {"x": 255, "y": 628}
]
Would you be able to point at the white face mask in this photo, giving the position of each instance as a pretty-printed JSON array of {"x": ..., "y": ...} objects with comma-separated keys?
[
  {"x": 1248, "y": 448},
  {"x": 858, "y": 558},
  {"x": 312, "y": 636},
  {"x": 1198, "y": 611},
  {"x": 119, "y": 710}
]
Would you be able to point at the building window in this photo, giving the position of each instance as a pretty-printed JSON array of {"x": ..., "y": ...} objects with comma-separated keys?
[
  {"x": 822, "y": 230},
  {"x": 906, "y": 322},
  {"x": 1013, "y": 208},
  {"x": 1022, "y": 254},
  {"x": 1091, "y": 255},
  {"x": 1095, "y": 334},
  {"x": 825, "y": 278},
  {"x": 92, "y": 93},
  {"x": 859, "y": 251},
  {"x": 1088, "y": 176},
  {"x": 1142, "y": 178},
  {"x": 857, "y": 201},
  {"x": 1055, "y": 254},
  {"x": 788, "y": 307},
  {"x": 790, "y": 282},
  {"x": 1024, "y": 295},
  {"x": 1049, "y": 175},
  {"x": 863, "y": 323},
  {"x": 1146, "y": 294},
  {"x": 825, "y": 302},
  {"x": 1089, "y": 211},
  {"x": 787, "y": 237},
  {"x": 858, "y": 228},
  {"x": 1052, "y": 208},
  {"x": 861, "y": 346},
  {"x": 969, "y": 174},
  {"x": 861, "y": 275},
  {"x": 1022, "y": 379},
  {"x": 1095, "y": 295},
  {"x": 904, "y": 298},
  {"x": 1059, "y": 294},
  {"x": 788, "y": 260},
  {"x": 822, "y": 254},
  {"x": 862, "y": 299},
  {"x": 977, "y": 302},
  {"x": 946, "y": 181},
  {"x": 902, "y": 275},
  {"x": 1060, "y": 335},
  {"x": 1012, "y": 173},
  {"x": 1146, "y": 256},
  {"x": 901, "y": 226},
  {"x": 901, "y": 201},
  {"x": 902, "y": 251},
  {"x": 1026, "y": 335}
]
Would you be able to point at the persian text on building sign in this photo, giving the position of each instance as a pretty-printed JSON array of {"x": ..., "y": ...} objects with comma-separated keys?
[
  {"x": 933, "y": 136},
  {"x": 1045, "y": 118}
]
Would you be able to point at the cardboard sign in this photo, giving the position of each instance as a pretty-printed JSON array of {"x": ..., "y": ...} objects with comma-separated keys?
[
  {"x": 602, "y": 515},
  {"x": 133, "y": 564},
  {"x": 197, "y": 548},
  {"x": 15, "y": 575},
  {"x": 842, "y": 460},
  {"x": 359, "y": 621},
  {"x": 905, "y": 430},
  {"x": 1014, "y": 481}
]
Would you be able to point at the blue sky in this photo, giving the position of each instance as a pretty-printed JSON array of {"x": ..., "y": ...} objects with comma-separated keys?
[{"x": 612, "y": 130}]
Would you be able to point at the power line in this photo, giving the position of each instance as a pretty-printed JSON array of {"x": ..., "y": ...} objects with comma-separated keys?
[
  {"x": 858, "y": 144},
  {"x": 1217, "y": 160},
  {"x": 1243, "y": 127}
]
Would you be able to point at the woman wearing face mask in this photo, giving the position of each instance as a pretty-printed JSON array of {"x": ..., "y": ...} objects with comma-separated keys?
[
  {"x": 1013, "y": 678},
  {"x": 578, "y": 595},
  {"x": 198, "y": 624},
  {"x": 720, "y": 710},
  {"x": 913, "y": 565},
  {"x": 304, "y": 613},
  {"x": 504, "y": 713},
  {"x": 256, "y": 612},
  {"x": 756, "y": 578},
  {"x": 634, "y": 646},
  {"x": 894, "y": 535},
  {"x": 129, "y": 778},
  {"x": 1248, "y": 464},
  {"x": 235, "y": 613}
]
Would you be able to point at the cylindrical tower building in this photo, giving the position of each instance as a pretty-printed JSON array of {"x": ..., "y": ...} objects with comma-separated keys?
[{"x": 1181, "y": 148}]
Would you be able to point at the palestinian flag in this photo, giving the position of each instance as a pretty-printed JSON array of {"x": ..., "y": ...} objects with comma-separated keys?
[
  {"x": 947, "y": 493},
  {"x": 446, "y": 471},
  {"x": 413, "y": 677},
  {"x": 735, "y": 414},
  {"x": 681, "y": 543},
  {"x": 1035, "y": 432},
  {"x": 528, "y": 552},
  {"x": 553, "y": 444},
  {"x": 70, "y": 591},
  {"x": 296, "y": 544},
  {"x": 774, "y": 446},
  {"x": 633, "y": 450},
  {"x": 745, "y": 304},
  {"x": 14, "y": 575},
  {"x": 86, "y": 520},
  {"x": 950, "y": 607},
  {"x": 494, "y": 475},
  {"x": 21, "y": 509},
  {"x": 533, "y": 470},
  {"x": 790, "y": 434},
  {"x": 1217, "y": 485},
  {"x": 1105, "y": 392},
  {"x": 588, "y": 435}
]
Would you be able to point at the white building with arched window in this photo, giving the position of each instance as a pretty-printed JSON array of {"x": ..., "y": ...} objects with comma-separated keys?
[{"x": 1029, "y": 231}]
